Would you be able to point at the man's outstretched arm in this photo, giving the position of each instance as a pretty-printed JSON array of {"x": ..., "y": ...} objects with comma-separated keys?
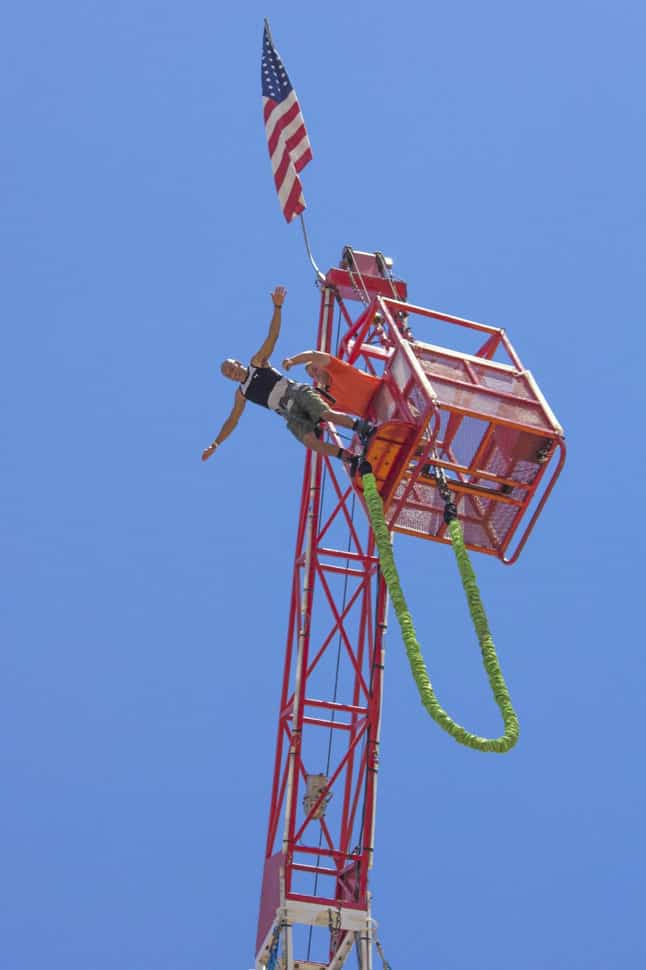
[
  {"x": 261, "y": 358},
  {"x": 227, "y": 427},
  {"x": 307, "y": 357}
]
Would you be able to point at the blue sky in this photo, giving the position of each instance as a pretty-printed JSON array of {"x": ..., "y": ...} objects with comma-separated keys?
[{"x": 496, "y": 152}]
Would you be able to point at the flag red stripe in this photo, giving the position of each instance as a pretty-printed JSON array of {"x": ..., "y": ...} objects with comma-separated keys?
[
  {"x": 303, "y": 160},
  {"x": 291, "y": 143},
  {"x": 287, "y": 157},
  {"x": 282, "y": 171},
  {"x": 286, "y": 160},
  {"x": 280, "y": 123},
  {"x": 294, "y": 204},
  {"x": 288, "y": 186}
]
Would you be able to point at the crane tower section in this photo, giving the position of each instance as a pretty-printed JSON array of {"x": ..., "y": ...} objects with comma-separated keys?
[{"x": 453, "y": 400}]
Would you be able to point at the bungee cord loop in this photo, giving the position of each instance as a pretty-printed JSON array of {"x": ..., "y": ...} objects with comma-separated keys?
[{"x": 508, "y": 739}]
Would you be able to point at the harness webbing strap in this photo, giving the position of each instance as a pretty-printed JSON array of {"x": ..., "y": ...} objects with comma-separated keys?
[{"x": 387, "y": 562}]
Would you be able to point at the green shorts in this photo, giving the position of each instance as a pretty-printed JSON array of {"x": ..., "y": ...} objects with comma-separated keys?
[{"x": 306, "y": 409}]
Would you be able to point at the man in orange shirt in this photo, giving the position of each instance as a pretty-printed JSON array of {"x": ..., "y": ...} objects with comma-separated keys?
[{"x": 351, "y": 389}]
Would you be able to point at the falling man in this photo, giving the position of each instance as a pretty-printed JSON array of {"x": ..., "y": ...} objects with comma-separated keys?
[{"x": 301, "y": 406}]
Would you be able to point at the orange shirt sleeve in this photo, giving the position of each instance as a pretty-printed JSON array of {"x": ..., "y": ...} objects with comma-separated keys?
[{"x": 351, "y": 388}]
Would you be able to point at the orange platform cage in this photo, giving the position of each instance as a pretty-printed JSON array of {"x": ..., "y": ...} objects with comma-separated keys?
[{"x": 475, "y": 413}]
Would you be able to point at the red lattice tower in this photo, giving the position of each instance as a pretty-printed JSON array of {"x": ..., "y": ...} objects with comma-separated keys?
[{"x": 474, "y": 412}]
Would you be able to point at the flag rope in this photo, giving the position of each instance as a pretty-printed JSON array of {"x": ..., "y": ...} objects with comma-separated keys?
[{"x": 319, "y": 275}]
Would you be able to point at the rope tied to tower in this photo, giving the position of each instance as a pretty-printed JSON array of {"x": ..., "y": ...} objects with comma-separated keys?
[
  {"x": 273, "y": 951},
  {"x": 508, "y": 739},
  {"x": 380, "y": 951}
]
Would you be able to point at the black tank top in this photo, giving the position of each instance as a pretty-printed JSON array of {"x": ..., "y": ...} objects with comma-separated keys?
[{"x": 259, "y": 383}]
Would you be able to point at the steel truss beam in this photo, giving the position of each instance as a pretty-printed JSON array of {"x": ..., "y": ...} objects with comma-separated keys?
[{"x": 319, "y": 851}]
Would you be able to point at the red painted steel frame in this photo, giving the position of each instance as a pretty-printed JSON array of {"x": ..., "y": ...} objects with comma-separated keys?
[
  {"x": 318, "y": 852},
  {"x": 433, "y": 397},
  {"x": 336, "y": 626}
]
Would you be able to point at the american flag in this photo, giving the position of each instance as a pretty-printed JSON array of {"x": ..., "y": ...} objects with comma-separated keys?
[{"x": 289, "y": 147}]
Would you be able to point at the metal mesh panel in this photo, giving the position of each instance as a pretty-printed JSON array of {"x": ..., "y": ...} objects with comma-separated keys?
[
  {"x": 502, "y": 517},
  {"x": 400, "y": 370},
  {"x": 425, "y": 521},
  {"x": 496, "y": 378},
  {"x": 496, "y": 462},
  {"x": 504, "y": 380},
  {"x": 416, "y": 401},
  {"x": 435, "y": 364},
  {"x": 519, "y": 411},
  {"x": 507, "y": 440},
  {"x": 424, "y": 509},
  {"x": 478, "y": 530},
  {"x": 444, "y": 420},
  {"x": 485, "y": 522},
  {"x": 384, "y": 404},
  {"x": 504, "y": 457},
  {"x": 467, "y": 439},
  {"x": 523, "y": 471},
  {"x": 423, "y": 494}
]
